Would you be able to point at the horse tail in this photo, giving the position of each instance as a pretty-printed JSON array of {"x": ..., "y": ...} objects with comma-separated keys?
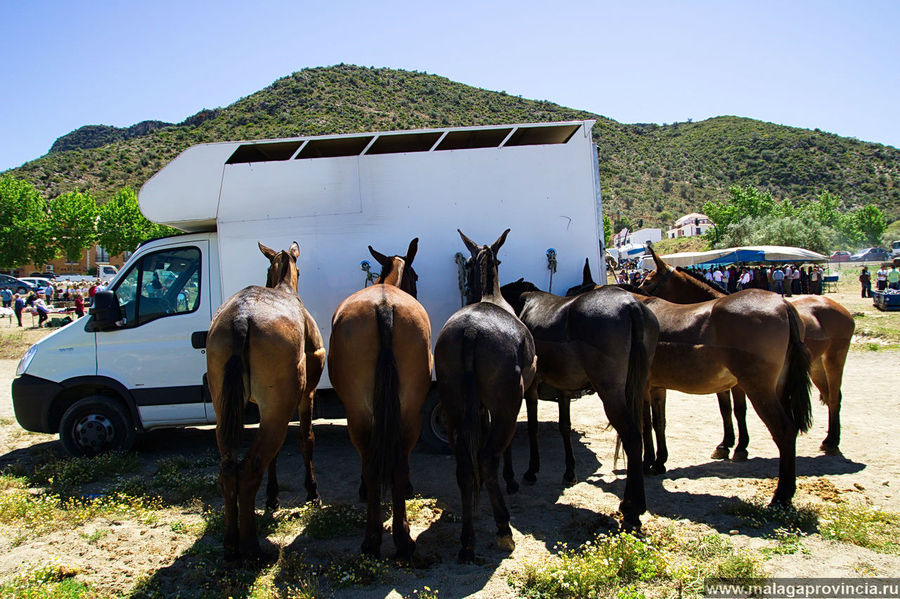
[
  {"x": 638, "y": 366},
  {"x": 795, "y": 397},
  {"x": 384, "y": 445},
  {"x": 234, "y": 392},
  {"x": 470, "y": 432}
]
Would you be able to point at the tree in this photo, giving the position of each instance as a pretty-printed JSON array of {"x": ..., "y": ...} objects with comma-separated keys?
[
  {"x": 743, "y": 202},
  {"x": 867, "y": 224},
  {"x": 825, "y": 209},
  {"x": 24, "y": 228},
  {"x": 607, "y": 231},
  {"x": 121, "y": 226},
  {"x": 773, "y": 229},
  {"x": 73, "y": 217}
]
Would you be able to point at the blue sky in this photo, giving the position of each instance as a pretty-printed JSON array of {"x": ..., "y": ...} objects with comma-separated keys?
[{"x": 830, "y": 65}]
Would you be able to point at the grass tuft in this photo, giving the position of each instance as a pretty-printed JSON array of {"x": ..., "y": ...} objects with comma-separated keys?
[{"x": 861, "y": 525}]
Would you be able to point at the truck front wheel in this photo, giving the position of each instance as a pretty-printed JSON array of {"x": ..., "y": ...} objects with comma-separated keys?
[
  {"x": 94, "y": 425},
  {"x": 434, "y": 433}
]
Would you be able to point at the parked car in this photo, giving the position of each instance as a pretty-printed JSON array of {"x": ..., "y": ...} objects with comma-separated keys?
[
  {"x": 40, "y": 283},
  {"x": 871, "y": 255},
  {"x": 44, "y": 275},
  {"x": 16, "y": 285},
  {"x": 840, "y": 256},
  {"x": 895, "y": 249}
]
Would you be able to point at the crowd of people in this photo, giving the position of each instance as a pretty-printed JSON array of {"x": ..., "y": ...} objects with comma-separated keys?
[
  {"x": 73, "y": 297},
  {"x": 885, "y": 278},
  {"x": 787, "y": 280}
]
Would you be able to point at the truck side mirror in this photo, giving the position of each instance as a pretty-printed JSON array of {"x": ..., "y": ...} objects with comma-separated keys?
[{"x": 106, "y": 313}]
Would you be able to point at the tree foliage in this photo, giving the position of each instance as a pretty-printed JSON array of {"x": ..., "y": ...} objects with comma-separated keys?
[
  {"x": 772, "y": 229},
  {"x": 121, "y": 226},
  {"x": 73, "y": 217},
  {"x": 24, "y": 227}
]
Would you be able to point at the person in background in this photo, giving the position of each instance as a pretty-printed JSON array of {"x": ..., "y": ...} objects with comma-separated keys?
[
  {"x": 778, "y": 280},
  {"x": 18, "y": 306},
  {"x": 788, "y": 279},
  {"x": 893, "y": 278},
  {"x": 865, "y": 280},
  {"x": 7, "y": 296},
  {"x": 79, "y": 305},
  {"x": 815, "y": 280},
  {"x": 48, "y": 293},
  {"x": 42, "y": 310},
  {"x": 881, "y": 278},
  {"x": 804, "y": 280},
  {"x": 795, "y": 281}
]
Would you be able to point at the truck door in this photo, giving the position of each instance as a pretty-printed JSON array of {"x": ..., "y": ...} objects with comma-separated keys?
[{"x": 164, "y": 298}]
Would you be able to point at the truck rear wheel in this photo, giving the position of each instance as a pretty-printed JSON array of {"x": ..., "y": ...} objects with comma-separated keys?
[
  {"x": 434, "y": 433},
  {"x": 95, "y": 425}
]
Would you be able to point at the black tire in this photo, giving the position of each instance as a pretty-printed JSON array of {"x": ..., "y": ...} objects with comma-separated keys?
[
  {"x": 95, "y": 425},
  {"x": 433, "y": 435}
]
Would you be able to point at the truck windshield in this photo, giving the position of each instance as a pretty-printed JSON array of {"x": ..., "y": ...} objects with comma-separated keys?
[{"x": 160, "y": 284}]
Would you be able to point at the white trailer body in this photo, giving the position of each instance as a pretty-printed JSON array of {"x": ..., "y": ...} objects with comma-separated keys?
[{"x": 336, "y": 195}]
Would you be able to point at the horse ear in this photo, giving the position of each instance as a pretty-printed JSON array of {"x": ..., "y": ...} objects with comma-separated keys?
[
  {"x": 294, "y": 250},
  {"x": 586, "y": 278},
  {"x": 411, "y": 251},
  {"x": 267, "y": 252},
  {"x": 470, "y": 245},
  {"x": 661, "y": 265},
  {"x": 382, "y": 259},
  {"x": 495, "y": 247}
]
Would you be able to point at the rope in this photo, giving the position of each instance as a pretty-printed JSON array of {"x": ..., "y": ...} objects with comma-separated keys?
[
  {"x": 551, "y": 266},
  {"x": 461, "y": 277}
]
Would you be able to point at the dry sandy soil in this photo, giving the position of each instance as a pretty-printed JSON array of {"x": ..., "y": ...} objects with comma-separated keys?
[{"x": 690, "y": 494}]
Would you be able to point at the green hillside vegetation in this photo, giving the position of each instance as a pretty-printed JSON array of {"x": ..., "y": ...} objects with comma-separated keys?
[{"x": 650, "y": 174}]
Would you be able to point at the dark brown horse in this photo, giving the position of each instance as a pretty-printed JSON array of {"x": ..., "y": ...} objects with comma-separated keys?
[
  {"x": 752, "y": 339},
  {"x": 379, "y": 362},
  {"x": 605, "y": 340},
  {"x": 263, "y": 346},
  {"x": 828, "y": 329},
  {"x": 484, "y": 360}
]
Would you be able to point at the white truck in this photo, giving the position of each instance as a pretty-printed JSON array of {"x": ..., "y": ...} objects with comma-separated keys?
[{"x": 138, "y": 361}]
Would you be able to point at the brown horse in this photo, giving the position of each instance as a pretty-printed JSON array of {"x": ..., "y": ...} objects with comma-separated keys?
[
  {"x": 752, "y": 339},
  {"x": 263, "y": 346},
  {"x": 603, "y": 339},
  {"x": 484, "y": 360},
  {"x": 828, "y": 330},
  {"x": 379, "y": 362}
]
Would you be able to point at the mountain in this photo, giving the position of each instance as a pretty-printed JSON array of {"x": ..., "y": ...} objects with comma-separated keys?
[{"x": 649, "y": 173}]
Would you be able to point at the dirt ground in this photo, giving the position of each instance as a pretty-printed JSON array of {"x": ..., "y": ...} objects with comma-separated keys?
[{"x": 690, "y": 494}]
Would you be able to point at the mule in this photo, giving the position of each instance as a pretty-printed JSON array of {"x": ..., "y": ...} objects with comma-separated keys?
[
  {"x": 263, "y": 346},
  {"x": 828, "y": 329},
  {"x": 484, "y": 361},
  {"x": 752, "y": 339},
  {"x": 379, "y": 362},
  {"x": 605, "y": 340}
]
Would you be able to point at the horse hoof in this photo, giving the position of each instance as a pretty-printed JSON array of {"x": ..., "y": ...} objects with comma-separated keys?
[
  {"x": 740, "y": 455},
  {"x": 315, "y": 500},
  {"x": 405, "y": 553},
  {"x": 721, "y": 453},
  {"x": 466, "y": 556},
  {"x": 272, "y": 505},
  {"x": 569, "y": 479},
  {"x": 657, "y": 469},
  {"x": 506, "y": 543},
  {"x": 512, "y": 487},
  {"x": 829, "y": 449},
  {"x": 529, "y": 478}
]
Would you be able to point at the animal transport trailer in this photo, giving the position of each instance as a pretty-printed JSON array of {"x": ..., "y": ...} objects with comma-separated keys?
[{"x": 335, "y": 195}]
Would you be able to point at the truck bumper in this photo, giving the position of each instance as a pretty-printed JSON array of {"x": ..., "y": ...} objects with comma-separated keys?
[{"x": 32, "y": 398}]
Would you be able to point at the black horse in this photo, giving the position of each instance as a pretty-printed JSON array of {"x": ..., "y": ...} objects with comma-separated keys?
[
  {"x": 484, "y": 360},
  {"x": 605, "y": 340}
]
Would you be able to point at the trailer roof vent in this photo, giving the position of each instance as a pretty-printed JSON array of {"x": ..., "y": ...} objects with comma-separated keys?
[
  {"x": 404, "y": 142},
  {"x": 334, "y": 147},
  {"x": 479, "y": 138},
  {"x": 532, "y": 136},
  {"x": 264, "y": 152}
]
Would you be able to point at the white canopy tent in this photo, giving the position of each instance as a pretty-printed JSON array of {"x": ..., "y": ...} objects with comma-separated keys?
[{"x": 756, "y": 253}]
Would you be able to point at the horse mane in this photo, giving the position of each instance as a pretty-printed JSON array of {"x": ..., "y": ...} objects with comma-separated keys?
[
  {"x": 700, "y": 279},
  {"x": 631, "y": 288}
]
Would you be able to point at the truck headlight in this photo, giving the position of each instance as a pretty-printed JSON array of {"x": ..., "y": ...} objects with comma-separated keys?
[{"x": 26, "y": 360}]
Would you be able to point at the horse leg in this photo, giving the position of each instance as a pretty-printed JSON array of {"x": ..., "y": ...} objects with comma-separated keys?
[
  {"x": 508, "y": 475},
  {"x": 722, "y": 450},
  {"x": 400, "y": 527},
  {"x": 272, "y": 487},
  {"x": 740, "y": 414},
  {"x": 784, "y": 433},
  {"x": 502, "y": 431},
  {"x": 634, "y": 502},
  {"x": 374, "y": 517},
  {"x": 647, "y": 434},
  {"x": 228, "y": 479},
  {"x": 534, "y": 459},
  {"x": 465, "y": 479},
  {"x": 658, "y": 411},
  {"x": 307, "y": 444},
  {"x": 266, "y": 444},
  {"x": 832, "y": 367},
  {"x": 565, "y": 429}
]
